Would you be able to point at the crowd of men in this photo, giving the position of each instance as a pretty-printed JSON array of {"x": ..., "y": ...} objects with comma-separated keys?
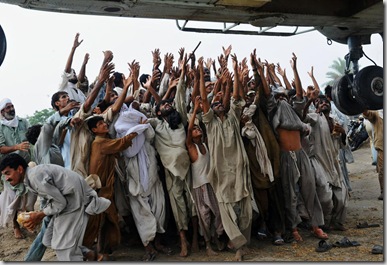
[{"x": 219, "y": 152}]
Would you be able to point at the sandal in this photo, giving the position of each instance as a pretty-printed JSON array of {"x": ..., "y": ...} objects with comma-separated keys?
[
  {"x": 262, "y": 234},
  {"x": 278, "y": 241},
  {"x": 377, "y": 249},
  {"x": 320, "y": 234},
  {"x": 165, "y": 250},
  {"x": 345, "y": 242},
  {"x": 149, "y": 256},
  {"x": 323, "y": 246},
  {"x": 366, "y": 225}
]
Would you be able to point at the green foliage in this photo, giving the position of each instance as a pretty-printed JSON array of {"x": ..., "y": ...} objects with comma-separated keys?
[
  {"x": 40, "y": 116},
  {"x": 338, "y": 69}
]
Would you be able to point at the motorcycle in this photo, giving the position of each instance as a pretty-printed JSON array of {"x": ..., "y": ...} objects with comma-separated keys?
[{"x": 357, "y": 133}]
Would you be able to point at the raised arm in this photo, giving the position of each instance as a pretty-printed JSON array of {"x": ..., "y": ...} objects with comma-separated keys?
[
  {"x": 297, "y": 80},
  {"x": 103, "y": 76},
  {"x": 282, "y": 72},
  {"x": 148, "y": 85},
  {"x": 226, "y": 94},
  {"x": 82, "y": 72},
  {"x": 203, "y": 92},
  {"x": 260, "y": 69},
  {"x": 315, "y": 84},
  {"x": 69, "y": 62},
  {"x": 274, "y": 77},
  {"x": 235, "y": 92},
  {"x": 191, "y": 123},
  {"x": 116, "y": 107}
]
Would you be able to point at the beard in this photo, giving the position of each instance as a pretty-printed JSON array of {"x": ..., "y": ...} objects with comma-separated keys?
[
  {"x": 173, "y": 118},
  {"x": 9, "y": 115},
  {"x": 73, "y": 80}
]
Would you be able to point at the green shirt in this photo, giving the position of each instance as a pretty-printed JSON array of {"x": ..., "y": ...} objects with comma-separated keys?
[{"x": 10, "y": 136}]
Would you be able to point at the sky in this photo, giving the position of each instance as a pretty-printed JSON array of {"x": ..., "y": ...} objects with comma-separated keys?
[{"x": 38, "y": 45}]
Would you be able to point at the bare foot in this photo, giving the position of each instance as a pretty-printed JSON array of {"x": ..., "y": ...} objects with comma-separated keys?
[
  {"x": 184, "y": 249},
  {"x": 297, "y": 236},
  {"x": 210, "y": 252},
  {"x": 239, "y": 255},
  {"x": 18, "y": 233}
]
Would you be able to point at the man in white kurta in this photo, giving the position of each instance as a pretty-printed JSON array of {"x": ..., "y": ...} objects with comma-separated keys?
[
  {"x": 325, "y": 143},
  {"x": 170, "y": 144},
  {"x": 229, "y": 173},
  {"x": 146, "y": 194}
]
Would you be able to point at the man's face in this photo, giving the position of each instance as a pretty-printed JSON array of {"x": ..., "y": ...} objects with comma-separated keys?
[
  {"x": 113, "y": 97},
  {"x": 209, "y": 87},
  {"x": 250, "y": 98},
  {"x": 196, "y": 132},
  {"x": 101, "y": 127},
  {"x": 281, "y": 96},
  {"x": 73, "y": 79},
  {"x": 13, "y": 176},
  {"x": 141, "y": 96},
  {"x": 166, "y": 109},
  {"x": 62, "y": 101},
  {"x": 8, "y": 112},
  {"x": 218, "y": 108},
  {"x": 323, "y": 105}
]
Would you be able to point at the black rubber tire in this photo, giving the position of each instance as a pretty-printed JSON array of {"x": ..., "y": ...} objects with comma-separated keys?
[
  {"x": 368, "y": 87},
  {"x": 342, "y": 96},
  {"x": 3, "y": 45}
]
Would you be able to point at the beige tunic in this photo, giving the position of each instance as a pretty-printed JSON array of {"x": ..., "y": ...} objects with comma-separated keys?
[{"x": 229, "y": 172}]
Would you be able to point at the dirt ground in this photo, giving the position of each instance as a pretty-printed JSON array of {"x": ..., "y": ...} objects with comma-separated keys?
[{"x": 363, "y": 206}]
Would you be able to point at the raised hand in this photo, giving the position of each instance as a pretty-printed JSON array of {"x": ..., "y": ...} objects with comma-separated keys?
[
  {"x": 86, "y": 58},
  {"x": 293, "y": 61},
  {"x": 108, "y": 56},
  {"x": 311, "y": 72},
  {"x": 209, "y": 63},
  {"x": 106, "y": 71},
  {"x": 76, "y": 41},
  {"x": 280, "y": 71},
  {"x": 156, "y": 58},
  {"x": 227, "y": 51}
]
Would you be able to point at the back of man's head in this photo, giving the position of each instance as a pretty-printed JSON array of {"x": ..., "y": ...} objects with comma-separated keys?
[
  {"x": 33, "y": 132},
  {"x": 328, "y": 92},
  {"x": 117, "y": 79}
]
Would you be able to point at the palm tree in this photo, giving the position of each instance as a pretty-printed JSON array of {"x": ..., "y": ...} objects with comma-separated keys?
[{"x": 338, "y": 69}]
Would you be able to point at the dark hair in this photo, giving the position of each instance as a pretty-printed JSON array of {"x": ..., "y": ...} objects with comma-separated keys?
[
  {"x": 117, "y": 78},
  {"x": 103, "y": 105},
  {"x": 162, "y": 102},
  {"x": 328, "y": 91},
  {"x": 33, "y": 132},
  {"x": 143, "y": 79},
  {"x": 215, "y": 103},
  {"x": 13, "y": 160},
  {"x": 291, "y": 92},
  {"x": 56, "y": 98},
  {"x": 92, "y": 122},
  {"x": 321, "y": 97}
]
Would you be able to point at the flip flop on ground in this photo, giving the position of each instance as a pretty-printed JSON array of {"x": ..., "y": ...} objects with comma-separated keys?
[
  {"x": 377, "y": 249},
  {"x": 366, "y": 225},
  {"x": 345, "y": 242},
  {"x": 323, "y": 246}
]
